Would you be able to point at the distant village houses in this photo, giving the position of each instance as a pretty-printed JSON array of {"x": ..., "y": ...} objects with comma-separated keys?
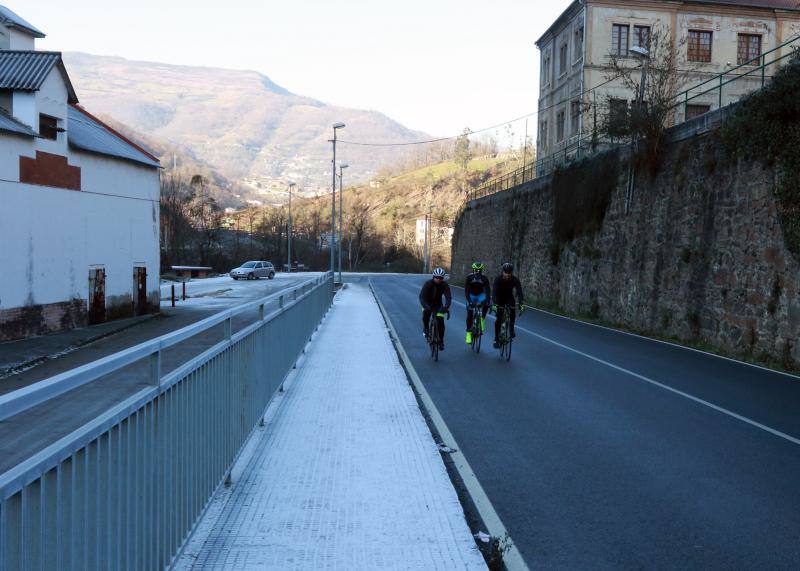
[
  {"x": 79, "y": 203},
  {"x": 713, "y": 37}
]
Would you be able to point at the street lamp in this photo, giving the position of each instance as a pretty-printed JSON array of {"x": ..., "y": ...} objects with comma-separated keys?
[
  {"x": 289, "y": 233},
  {"x": 341, "y": 209},
  {"x": 336, "y": 126},
  {"x": 644, "y": 55}
]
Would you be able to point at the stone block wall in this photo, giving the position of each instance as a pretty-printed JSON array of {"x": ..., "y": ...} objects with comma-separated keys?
[{"x": 699, "y": 256}]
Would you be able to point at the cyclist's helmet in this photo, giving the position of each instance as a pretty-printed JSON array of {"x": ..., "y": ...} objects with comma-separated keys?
[
  {"x": 438, "y": 273},
  {"x": 508, "y": 268},
  {"x": 478, "y": 266}
]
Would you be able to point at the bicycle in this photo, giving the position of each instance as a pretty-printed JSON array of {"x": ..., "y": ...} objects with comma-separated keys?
[
  {"x": 434, "y": 336},
  {"x": 476, "y": 330},
  {"x": 505, "y": 340}
]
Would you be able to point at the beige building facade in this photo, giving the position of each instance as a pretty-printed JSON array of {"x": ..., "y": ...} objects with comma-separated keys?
[{"x": 713, "y": 37}]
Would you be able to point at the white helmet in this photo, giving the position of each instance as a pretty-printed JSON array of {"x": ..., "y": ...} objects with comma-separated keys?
[{"x": 439, "y": 273}]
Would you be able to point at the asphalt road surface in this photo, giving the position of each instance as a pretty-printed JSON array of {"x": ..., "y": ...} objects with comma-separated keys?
[{"x": 603, "y": 450}]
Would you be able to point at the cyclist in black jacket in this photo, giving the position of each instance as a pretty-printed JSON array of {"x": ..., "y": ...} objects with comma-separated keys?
[
  {"x": 430, "y": 297},
  {"x": 505, "y": 286},
  {"x": 479, "y": 294}
]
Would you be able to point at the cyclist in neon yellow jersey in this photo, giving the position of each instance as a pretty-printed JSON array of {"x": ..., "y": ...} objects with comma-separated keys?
[{"x": 478, "y": 292}]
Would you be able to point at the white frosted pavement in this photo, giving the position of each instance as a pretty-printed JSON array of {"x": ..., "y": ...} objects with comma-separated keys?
[{"x": 346, "y": 475}]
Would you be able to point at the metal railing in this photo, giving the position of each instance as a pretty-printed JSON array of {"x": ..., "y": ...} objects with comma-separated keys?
[
  {"x": 125, "y": 490},
  {"x": 755, "y": 68}
]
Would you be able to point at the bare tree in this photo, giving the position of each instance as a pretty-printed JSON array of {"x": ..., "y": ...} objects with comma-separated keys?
[{"x": 653, "y": 110}]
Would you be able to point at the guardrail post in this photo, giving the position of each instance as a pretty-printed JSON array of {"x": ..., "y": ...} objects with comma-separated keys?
[
  {"x": 227, "y": 328},
  {"x": 173, "y": 295},
  {"x": 155, "y": 367},
  {"x": 184, "y": 291},
  {"x": 261, "y": 312},
  {"x": 280, "y": 302}
]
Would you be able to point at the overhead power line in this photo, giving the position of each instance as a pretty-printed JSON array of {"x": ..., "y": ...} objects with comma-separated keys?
[{"x": 497, "y": 126}]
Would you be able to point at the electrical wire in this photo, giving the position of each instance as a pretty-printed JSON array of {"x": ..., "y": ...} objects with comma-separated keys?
[{"x": 497, "y": 126}]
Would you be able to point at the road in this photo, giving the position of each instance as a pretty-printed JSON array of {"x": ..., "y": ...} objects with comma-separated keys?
[
  {"x": 600, "y": 449},
  {"x": 32, "y": 430}
]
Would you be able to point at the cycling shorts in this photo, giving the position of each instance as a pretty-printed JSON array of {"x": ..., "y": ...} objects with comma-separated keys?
[{"x": 479, "y": 299}]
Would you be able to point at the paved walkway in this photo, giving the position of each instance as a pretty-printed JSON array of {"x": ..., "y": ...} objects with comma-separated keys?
[{"x": 346, "y": 475}]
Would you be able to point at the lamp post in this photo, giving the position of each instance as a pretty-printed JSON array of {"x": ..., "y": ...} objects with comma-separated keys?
[
  {"x": 336, "y": 126},
  {"x": 341, "y": 209},
  {"x": 644, "y": 55},
  {"x": 289, "y": 233}
]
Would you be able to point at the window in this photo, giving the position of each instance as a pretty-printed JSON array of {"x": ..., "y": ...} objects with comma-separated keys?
[
  {"x": 543, "y": 142},
  {"x": 749, "y": 48},
  {"x": 617, "y": 117},
  {"x": 693, "y": 111},
  {"x": 560, "y": 122},
  {"x": 577, "y": 47},
  {"x": 619, "y": 39},
  {"x": 48, "y": 127},
  {"x": 641, "y": 37},
  {"x": 546, "y": 69},
  {"x": 562, "y": 57},
  {"x": 699, "y": 46},
  {"x": 575, "y": 116}
]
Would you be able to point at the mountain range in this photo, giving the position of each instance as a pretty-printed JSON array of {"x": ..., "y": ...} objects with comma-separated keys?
[{"x": 240, "y": 124}]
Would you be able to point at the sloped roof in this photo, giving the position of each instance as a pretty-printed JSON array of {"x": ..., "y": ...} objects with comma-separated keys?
[
  {"x": 12, "y": 20},
  {"x": 771, "y": 4},
  {"x": 88, "y": 133},
  {"x": 10, "y": 125},
  {"x": 25, "y": 70}
]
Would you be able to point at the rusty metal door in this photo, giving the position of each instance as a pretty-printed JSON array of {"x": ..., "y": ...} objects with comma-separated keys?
[
  {"x": 97, "y": 296},
  {"x": 139, "y": 290}
]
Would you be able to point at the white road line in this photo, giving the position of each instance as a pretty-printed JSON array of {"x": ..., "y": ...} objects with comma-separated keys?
[
  {"x": 512, "y": 558},
  {"x": 698, "y": 400},
  {"x": 663, "y": 342}
]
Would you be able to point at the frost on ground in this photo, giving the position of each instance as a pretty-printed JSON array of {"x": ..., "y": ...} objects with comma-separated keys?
[{"x": 317, "y": 493}]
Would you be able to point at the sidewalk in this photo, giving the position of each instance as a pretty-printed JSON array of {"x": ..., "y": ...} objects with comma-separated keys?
[{"x": 346, "y": 474}]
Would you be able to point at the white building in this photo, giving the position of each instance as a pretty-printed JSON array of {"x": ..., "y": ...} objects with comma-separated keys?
[{"x": 79, "y": 203}]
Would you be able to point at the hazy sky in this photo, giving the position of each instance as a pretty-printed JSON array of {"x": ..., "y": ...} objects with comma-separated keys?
[{"x": 433, "y": 65}]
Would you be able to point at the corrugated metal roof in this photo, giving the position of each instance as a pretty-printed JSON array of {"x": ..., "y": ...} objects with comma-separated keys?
[
  {"x": 26, "y": 70},
  {"x": 12, "y": 20},
  {"x": 11, "y": 125},
  {"x": 87, "y": 133}
]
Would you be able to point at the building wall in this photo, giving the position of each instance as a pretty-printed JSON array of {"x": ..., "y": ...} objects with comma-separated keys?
[
  {"x": 54, "y": 236},
  {"x": 558, "y": 88},
  {"x": 51, "y": 100},
  {"x": 725, "y": 23}
]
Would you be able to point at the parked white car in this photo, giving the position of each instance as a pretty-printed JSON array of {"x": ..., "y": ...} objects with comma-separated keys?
[{"x": 253, "y": 270}]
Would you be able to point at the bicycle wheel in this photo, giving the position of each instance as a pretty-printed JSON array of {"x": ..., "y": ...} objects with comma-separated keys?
[
  {"x": 509, "y": 343},
  {"x": 434, "y": 338},
  {"x": 477, "y": 336}
]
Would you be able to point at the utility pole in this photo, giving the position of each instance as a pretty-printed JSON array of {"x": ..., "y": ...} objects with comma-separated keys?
[
  {"x": 425, "y": 248},
  {"x": 525, "y": 147},
  {"x": 336, "y": 126},
  {"x": 341, "y": 209},
  {"x": 289, "y": 233}
]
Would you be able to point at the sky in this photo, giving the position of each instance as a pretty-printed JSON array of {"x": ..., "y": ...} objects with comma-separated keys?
[{"x": 433, "y": 65}]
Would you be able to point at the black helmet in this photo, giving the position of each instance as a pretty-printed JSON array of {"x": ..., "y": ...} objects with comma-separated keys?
[{"x": 508, "y": 268}]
